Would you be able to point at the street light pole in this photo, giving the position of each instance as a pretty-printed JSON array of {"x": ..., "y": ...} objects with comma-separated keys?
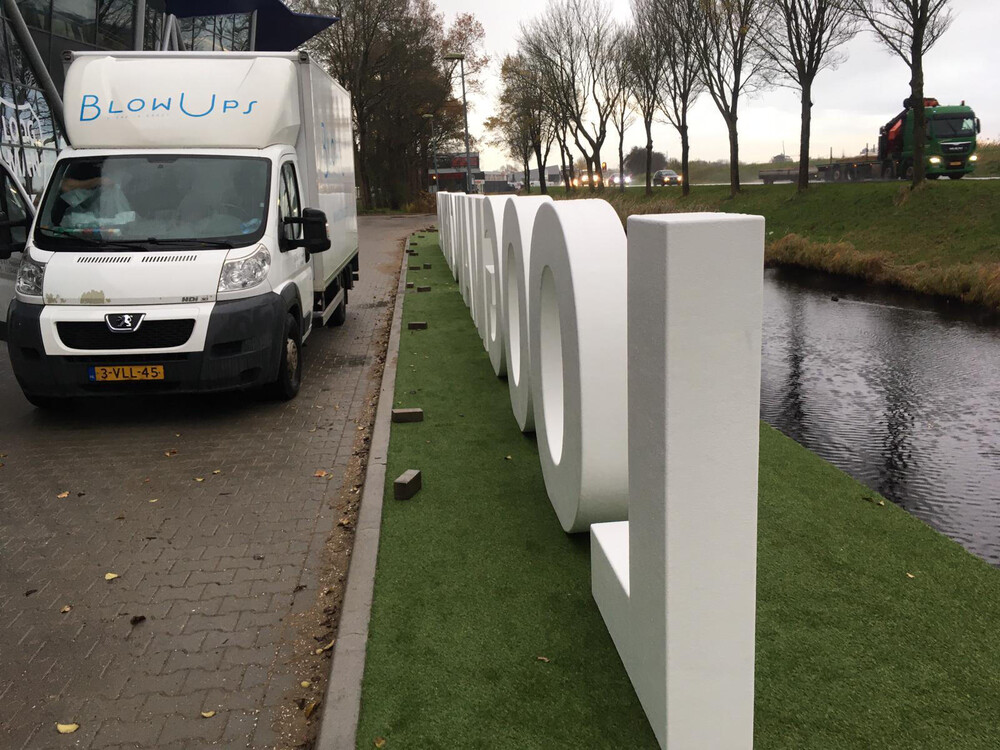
[
  {"x": 465, "y": 111},
  {"x": 434, "y": 152}
]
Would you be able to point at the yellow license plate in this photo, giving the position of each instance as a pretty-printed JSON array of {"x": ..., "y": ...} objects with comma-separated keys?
[
  {"x": 955, "y": 164},
  {"x": 101, "y": 374}
]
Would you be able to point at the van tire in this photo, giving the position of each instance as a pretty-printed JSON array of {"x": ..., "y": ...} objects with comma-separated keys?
[
  {"x": 339, "y": 316},
  {"x": 289, "y": 380}
]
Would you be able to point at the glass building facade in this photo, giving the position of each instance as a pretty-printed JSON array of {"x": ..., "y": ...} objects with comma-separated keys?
[{"x": 30, "y": 139}]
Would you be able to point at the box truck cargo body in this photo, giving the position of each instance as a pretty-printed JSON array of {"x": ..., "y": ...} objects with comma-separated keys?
[{"x": 199, "y": 228}]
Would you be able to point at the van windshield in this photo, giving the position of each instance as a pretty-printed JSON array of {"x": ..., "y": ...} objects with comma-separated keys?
[{"x": 138, "y": 202}]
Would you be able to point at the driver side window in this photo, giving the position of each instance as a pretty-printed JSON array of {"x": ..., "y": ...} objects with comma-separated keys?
[{"x": 288, "y": 202}]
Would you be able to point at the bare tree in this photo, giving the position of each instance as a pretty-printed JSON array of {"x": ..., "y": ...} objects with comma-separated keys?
[
  {"x": 733, "y": 62},
  {"x": 624, "y": 112},
  {"x": 522, "y": 96},
  {"x": 682, "y": 80},
  {"x": 648, "y": 61},
  {"x": 571, "y": 45},
  {"x": 909, "y": 28},
  {"x": 803, "y": 41}
]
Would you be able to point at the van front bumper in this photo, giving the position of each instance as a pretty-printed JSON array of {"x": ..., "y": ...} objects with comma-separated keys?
[{"x": 242, "y": 350}]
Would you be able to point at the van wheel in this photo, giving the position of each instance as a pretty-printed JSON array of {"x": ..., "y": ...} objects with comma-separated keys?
[
  {"x": 286, "y": 387},
  {"x": 934, "y": 176},
  {"x": 340, "y": 314},
  {"x": 955, "y": 176}
]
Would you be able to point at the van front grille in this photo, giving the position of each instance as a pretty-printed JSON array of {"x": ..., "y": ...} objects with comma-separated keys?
[{"x": 152, "y": 334}]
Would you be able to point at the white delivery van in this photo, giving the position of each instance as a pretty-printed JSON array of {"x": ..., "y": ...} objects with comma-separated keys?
[{"x": 202, "y": 224}]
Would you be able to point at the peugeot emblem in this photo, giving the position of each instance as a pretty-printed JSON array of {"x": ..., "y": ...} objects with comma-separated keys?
[{"x": 124, "y": 322}]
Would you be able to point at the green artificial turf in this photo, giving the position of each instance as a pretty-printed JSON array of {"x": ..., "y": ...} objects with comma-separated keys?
[{"x": 476, "y": 580}]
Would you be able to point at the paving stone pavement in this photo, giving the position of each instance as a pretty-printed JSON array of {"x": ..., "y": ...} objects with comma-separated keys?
[{"x": 230, "y": 551}]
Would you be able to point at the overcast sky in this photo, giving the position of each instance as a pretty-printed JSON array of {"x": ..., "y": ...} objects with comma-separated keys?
[{"x": 850, "y": 103}]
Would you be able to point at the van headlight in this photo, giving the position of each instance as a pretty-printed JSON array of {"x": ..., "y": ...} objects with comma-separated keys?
[
  {"x": 245, "y": 273},
  {"x": 974, "y": 157},
  {"x": 30, "y": 276},
  {"x": 935, "y": 160}
]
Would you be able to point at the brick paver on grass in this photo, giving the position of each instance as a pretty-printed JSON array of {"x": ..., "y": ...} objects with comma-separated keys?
[{"x": 216, "y": 578}]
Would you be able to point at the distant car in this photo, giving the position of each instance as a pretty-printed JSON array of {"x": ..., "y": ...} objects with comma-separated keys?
[
  {"x": 666, "y": 177},
  {"x": 613, "y": 180}
]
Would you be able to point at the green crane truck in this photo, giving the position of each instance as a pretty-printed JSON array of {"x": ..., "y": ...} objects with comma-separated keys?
[{"x": 949, "y": 149}]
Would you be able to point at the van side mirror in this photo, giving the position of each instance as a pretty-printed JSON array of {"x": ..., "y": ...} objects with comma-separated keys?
[
  {"x": 315, "y": 231},
  {"x": 7, "y": 244},
  {"x": 979, "y": 126}
]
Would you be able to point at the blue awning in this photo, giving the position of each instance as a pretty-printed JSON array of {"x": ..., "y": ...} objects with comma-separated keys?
[{"x": 279, "y": 28}]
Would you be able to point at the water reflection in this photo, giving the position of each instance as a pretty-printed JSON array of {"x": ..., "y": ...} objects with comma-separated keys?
[{"x": 903, "y": 397}]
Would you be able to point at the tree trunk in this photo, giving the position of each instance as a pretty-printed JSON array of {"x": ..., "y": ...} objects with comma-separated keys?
[
  {"x": 804, "y": 136},
  {"x": 527, "y": 172},
  {"x": 541, "y": 167},
  {"x": 599, "y": 183},
  {"x": 562, "y": 168},
  {"x": 734, "y": 158},
  {"x": 685, "y": 156},
  {"x": 648, "y": 122},
  {"x": 621, "y": 160},
  {"x": 919, "y": 116}
]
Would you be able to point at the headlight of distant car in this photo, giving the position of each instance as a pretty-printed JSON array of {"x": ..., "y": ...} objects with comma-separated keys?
[
  {"x": 245, "y": 273},
  {"x": 974, "y": 157},
  {"x": 935, "y": 160},
  {"x": 30, "y": 276},
  {"x": 680, "y": 178}
]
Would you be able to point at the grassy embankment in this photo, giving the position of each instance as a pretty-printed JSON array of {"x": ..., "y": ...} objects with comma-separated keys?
[
  {"x": 873, "y": 631},
  {"x": 943, "y": 239}
]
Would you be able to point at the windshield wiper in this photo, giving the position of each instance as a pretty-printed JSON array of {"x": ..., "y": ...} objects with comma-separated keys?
[
  {"x": 88, "y": 241},
  {"x": 204, "y": 243}
]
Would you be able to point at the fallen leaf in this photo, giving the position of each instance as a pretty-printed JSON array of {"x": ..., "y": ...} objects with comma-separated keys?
[
  {"x": 310, "y": 708},
  {"x": 199, "y": 479},
  {"x": 67, "y": 728},
  {"x": 217, "y": 471},
  {"x": 380, "y": 742},
  {"x": 910, "y": 575},
  {"x": 80, "y": 494},
  {"x": 881, "y": 502},
  {"x": 62, "y": 495},
  {"x": 146, "y": 480},
  {"x": 327, "y": 647},
  {"x": 136, "y": 619},
  {"x": 207, "y": 714},
  {"x": 170, "y": 453},
  {"x": 110, "y": 576},
  {"x": 320, "y": 473},
  {"x": 155, "y": 500},
  {"x": 65, "y": 609},
  {"x": 543, "y": 658},
  {"x": 344, "y": 522},
  {"x": 305, "y": 683},
  {"x": 509, "y": 458}
]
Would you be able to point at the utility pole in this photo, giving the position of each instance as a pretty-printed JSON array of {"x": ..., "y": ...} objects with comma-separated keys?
[{"x": 460, "y": 58}]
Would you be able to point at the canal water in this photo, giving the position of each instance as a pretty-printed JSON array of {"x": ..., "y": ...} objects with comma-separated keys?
[{"x": 902, "y": 394}]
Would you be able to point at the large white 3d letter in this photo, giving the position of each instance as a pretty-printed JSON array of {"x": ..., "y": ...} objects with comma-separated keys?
[
  {"x": 577, "y": 333},
  {"x": 676, "y": 583},
  {"x": 493, "y": 209},
  {"x": 518, "y": 221}
]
